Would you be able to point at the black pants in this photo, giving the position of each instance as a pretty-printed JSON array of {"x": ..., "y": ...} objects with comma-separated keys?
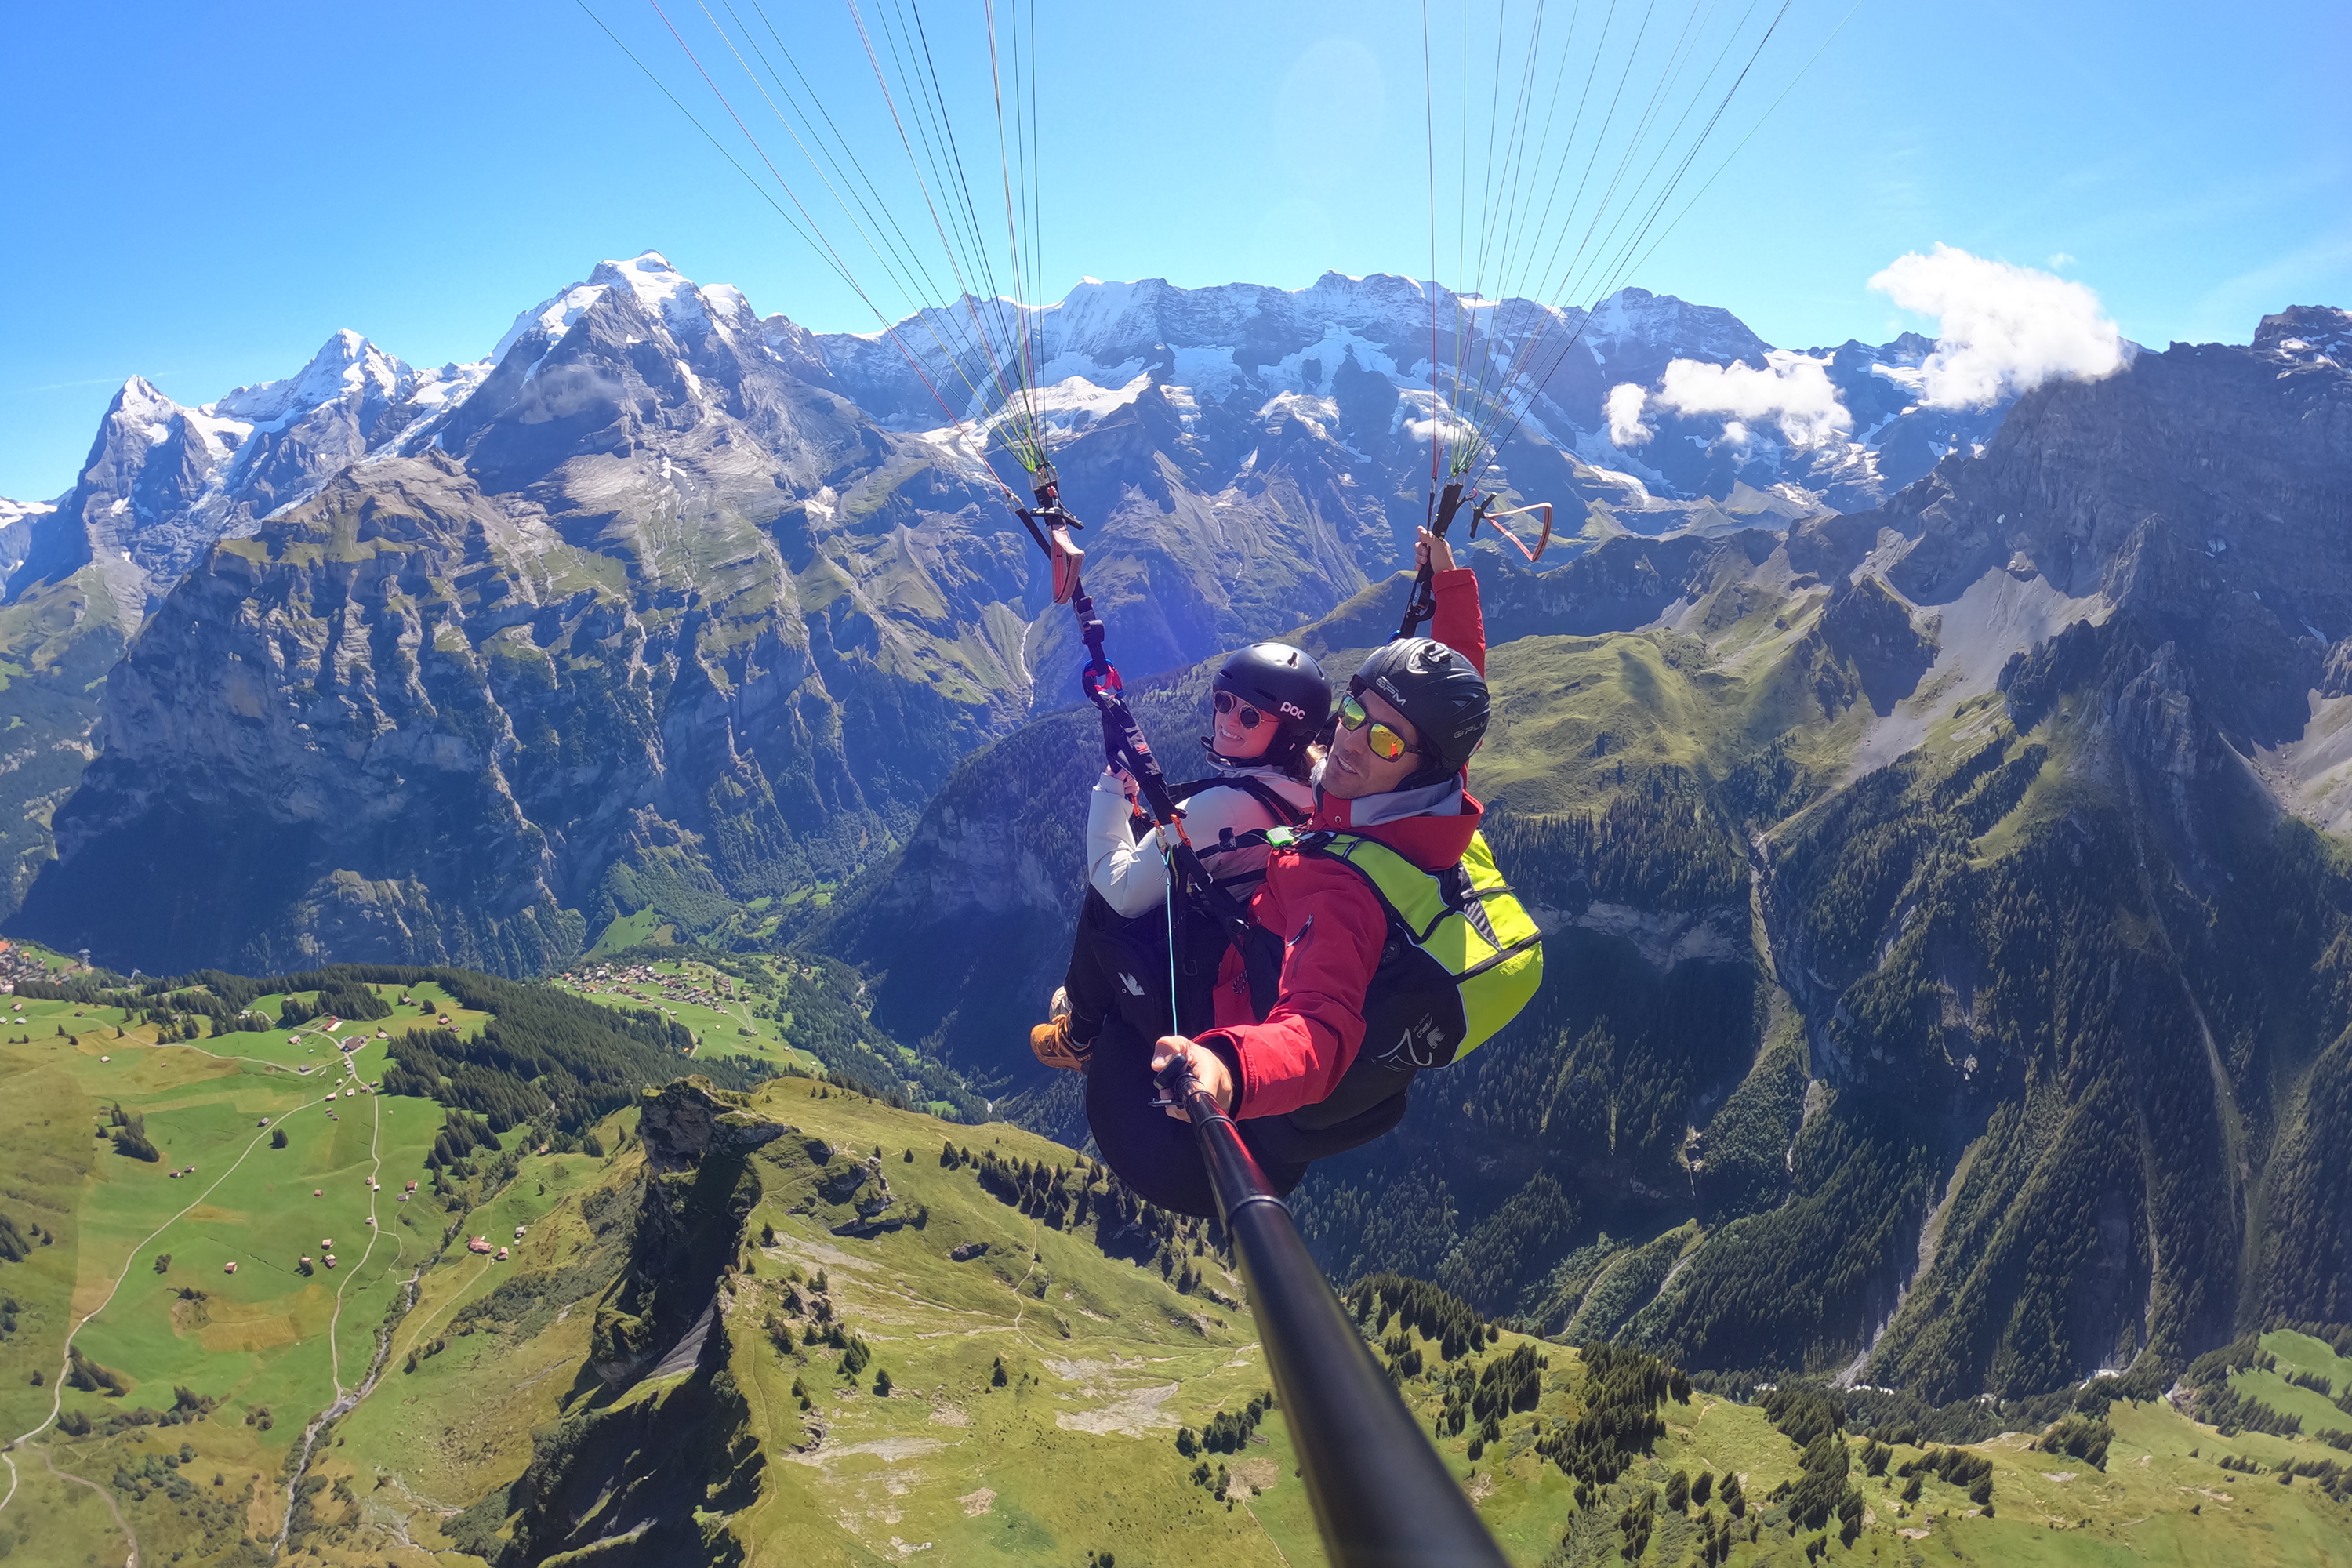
[
  {"x": 1106, "y": 946},
  {"x": 1153, "y": 1153}
]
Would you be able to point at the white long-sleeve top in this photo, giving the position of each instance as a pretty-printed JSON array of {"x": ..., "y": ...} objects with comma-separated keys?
[{"x": 1132, "y": 877}]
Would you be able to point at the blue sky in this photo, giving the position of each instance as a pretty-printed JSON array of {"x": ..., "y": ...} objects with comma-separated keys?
[{"x": 201, "y": 193}]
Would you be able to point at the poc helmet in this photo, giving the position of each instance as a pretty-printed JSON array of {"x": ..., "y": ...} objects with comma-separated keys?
[
  {"x": 1285, "y": 684},
  {"x": 1439, "y": 693}
]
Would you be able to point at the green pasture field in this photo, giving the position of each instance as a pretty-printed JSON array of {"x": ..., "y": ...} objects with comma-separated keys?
[
  {"x": 2301, "y": 1352},
  {"x": 1076, "y": 1454},
  {"x": 628, "y": 931},
  {"x": 265, "y": 1339},
  {"x": 1105, "y": 1359},
  {"x": 254, "y": 1336},
  {"x": 2316, "y": 1414}
]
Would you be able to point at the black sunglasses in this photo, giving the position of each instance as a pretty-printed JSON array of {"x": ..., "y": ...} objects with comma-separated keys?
[{"x": 1227, "y": 702}]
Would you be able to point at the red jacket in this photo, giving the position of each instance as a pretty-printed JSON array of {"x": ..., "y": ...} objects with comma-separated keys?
[{"x": 1332, "y": 926}]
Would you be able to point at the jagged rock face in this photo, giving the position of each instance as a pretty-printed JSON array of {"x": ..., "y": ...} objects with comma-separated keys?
[
  {"x": 2309, "y": 334},
  {"x": 16, "y": 520},
  {"x": 683, "y": 1123},
  {"x": 60, "y": 640},
  {"x": 718, "y": 630},
  {"x": 2197, "y": 496},
  {"x": 162, "y": 482},
  {"x": 411, "y": 718},
  {"x": 2239, "y": 450}
]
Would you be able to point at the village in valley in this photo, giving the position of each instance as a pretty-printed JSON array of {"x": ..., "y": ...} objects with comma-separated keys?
[{"x": 727, "y": 1013}]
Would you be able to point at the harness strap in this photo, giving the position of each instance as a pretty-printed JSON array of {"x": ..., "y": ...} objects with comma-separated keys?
[
  {"x": 1456, "y": 895},
  {"x": 1265, "y": 794},
  {"x": 1484, "y": 965}
]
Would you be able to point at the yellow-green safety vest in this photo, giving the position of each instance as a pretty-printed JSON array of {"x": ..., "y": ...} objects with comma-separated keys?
[{"x": 1462, "y": 956}]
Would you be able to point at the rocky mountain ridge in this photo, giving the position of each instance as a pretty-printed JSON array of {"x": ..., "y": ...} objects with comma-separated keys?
[
  {"x": 667, "y": 608},
  {"x": 162, "y": 481}
]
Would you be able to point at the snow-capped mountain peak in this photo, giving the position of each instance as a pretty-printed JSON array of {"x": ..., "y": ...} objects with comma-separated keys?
[
  {"x": 346, "y": 363},
  {"x": 1351, "y": 354},
  {"x": 165, "y": 482},
  {"x": 667, "y": 295}
]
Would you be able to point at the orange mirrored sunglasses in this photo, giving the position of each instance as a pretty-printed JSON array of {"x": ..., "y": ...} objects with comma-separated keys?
[{"x": 1385, "y": 743}]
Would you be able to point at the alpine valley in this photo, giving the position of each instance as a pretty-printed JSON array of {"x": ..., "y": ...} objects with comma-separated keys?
[{"x": 1938, "y": 818}]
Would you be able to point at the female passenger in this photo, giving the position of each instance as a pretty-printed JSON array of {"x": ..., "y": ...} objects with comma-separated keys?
[{"x": 1269, "y": 701}]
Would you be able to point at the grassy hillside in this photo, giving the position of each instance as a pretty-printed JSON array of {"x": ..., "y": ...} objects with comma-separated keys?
[{"x": 684, "y": 1355}]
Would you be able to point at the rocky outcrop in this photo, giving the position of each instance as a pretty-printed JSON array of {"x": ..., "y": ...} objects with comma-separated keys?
[{"x": 686, "y": 1122}]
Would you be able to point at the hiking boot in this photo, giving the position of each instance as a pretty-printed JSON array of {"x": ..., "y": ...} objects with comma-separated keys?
[{"x": 1054, "y": 1044}]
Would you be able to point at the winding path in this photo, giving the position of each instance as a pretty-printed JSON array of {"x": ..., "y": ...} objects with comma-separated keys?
[
  {"x": 342, "y": 1401},
  {"x": 375, "y": 1231},
  {"x": 103, "y": 1496},
  {"x": 346, "y": 1398},
  {"x": 56, "y": 1393}
]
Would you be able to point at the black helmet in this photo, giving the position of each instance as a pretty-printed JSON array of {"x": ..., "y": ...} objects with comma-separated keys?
[
  {"x": 1439, "y": 693},
  {"x": 1285, "y": 684}
]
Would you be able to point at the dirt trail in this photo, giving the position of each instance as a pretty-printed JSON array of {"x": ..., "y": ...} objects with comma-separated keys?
[
  {"x": 375, "y": 1231},
  {"x": 103, "y": 1496},
  {"x": 345, "y": 1399}
]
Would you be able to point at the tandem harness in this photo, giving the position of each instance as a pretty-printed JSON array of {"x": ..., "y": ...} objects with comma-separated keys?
[{"x": 1462, "y": 958}]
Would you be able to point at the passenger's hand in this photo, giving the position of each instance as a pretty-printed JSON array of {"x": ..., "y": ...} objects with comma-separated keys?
[
  {"x": 1207, "y": 1066},
  {"x": 1126, "y": 783},
  {"x": 1434, "y": 552}
]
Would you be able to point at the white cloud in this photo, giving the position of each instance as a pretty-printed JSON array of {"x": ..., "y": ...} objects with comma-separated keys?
[
  {"x": 1623, "y": 406},
  {"x": 2002, "y": 329},
  {"x": 2061, "y": 259},
  {"x": 1791, "y": 389}
]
